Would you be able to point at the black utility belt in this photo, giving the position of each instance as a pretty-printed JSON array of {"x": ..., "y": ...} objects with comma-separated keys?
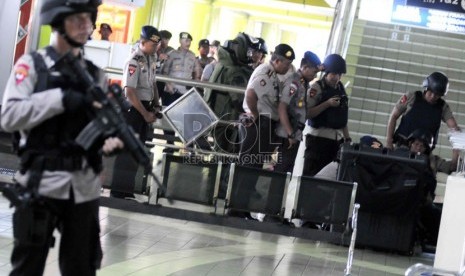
[{"x": 68, "y": 163}]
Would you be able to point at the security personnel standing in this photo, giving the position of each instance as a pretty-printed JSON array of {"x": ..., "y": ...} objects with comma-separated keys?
[
  {"x": 141, "y": 92},
  {"x": 292, "y": 110},
  {"x": 49, "y": 108},
  {"x": 421, "y": 110},
  {"x": 259, "y": 123},
  {"x": 204, "y": 49},
  {"x": 181, "y": 63},
  {"x": 163, "y": 50},
  {"x": 327, "y": 115},
  {"x": 261, "y": 103}
]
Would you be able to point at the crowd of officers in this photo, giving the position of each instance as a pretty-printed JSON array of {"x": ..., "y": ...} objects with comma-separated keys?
[{"x": 279, "y": 100}]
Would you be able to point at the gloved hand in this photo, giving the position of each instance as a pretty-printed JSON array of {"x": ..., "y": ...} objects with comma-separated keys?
[{"x": 74, "y": 101}]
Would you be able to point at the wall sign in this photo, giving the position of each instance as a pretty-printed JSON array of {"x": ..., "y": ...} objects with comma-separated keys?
[
  {"x": 428, "y": 18},
  {"x": 444, "y": 5}
]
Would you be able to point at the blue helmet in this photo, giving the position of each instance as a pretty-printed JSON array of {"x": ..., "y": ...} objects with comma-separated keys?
[{"x": 334, "y": 63}]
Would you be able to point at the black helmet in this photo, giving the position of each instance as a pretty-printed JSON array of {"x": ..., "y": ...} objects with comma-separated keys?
[
  {"x": 334, "y": 63},
  {"x": 260, "y": 46},
  {"x": 150, "y": 33},
  {"x": 437, "y": 82},
  {"x": 165, "y": 34},
  {"x": 52, "y": 12},
  {"x": 424, "y": 136}
]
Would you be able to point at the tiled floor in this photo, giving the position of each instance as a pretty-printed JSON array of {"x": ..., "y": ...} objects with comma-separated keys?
[{"x": 139, "y": 244}]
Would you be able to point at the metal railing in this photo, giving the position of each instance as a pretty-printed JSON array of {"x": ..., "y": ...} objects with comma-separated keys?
[{"x": 186, "y": 82}]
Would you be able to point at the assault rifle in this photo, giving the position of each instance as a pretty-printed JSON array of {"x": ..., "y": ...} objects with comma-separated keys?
[{"x": 108, "y": 119}]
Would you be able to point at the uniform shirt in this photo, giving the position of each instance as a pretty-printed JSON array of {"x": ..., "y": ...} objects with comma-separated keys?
[
  {"x": 139, "y": 73},
  {"x": 405, "y": 103},
  {"x": 265, "y": 82},
  {"x": 181, "y": 64},
  {"x": 160, "y": 62},
  {"x": 316, "y": 92},
  {"x": 208, "y": 71},
  {"x": 23, "y": 110},
  {"x": 203, "y": 61},
  {"x": 293, "y": 94}
]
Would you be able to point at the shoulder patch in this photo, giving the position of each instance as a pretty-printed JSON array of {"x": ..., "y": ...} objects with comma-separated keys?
[
  {"x": 403, "y": 100},
  {"x": 137, "y": 58},
  {"x": 312, "y": 92},
  {"x": 21, "y": 73},
  {"x": 262, "y": 82},
  {"x": 132, "y": 69},
  {"x": 293, "y": 88}
]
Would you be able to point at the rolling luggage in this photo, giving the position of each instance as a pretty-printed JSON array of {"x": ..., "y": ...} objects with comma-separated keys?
[{"x": 390, "y": 191}]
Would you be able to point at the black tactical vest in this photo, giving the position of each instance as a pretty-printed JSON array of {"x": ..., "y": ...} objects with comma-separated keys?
[
  {"x": 333, "y": 117},
  {"x": 55, "y": 137},
  {"x": 422, "y": 115}
]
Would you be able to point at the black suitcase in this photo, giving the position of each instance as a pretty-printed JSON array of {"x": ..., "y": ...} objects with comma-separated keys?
[{"x": 389, "y": 194}]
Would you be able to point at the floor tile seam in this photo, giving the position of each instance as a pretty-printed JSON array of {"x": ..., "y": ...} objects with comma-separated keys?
[{"x": 203, "y": 231}]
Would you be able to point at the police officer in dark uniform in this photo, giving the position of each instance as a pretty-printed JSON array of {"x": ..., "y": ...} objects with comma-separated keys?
[
  {"x": 292, "y": 110},
  {"x": 141, "y": 92},
  {"x": 60, "y": 186},
  {"x": 421, "y": 110},
  {"x": 327, "y": 115}
]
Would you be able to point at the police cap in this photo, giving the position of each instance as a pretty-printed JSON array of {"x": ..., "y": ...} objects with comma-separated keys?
[
  {"x": 165, "y": 34},
  {"x": 106, "y": 26},
  {"x": 150, "y": 33},
  {"x": 204, "y": 42},
  {"x": 284, "y": 50},
  {"x": 185, "y": 35},
  {"x": 312, "y": 58}
]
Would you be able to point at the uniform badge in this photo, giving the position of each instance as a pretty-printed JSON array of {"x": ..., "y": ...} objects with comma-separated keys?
[
  {"x": 403, "y": 100},
  {"x": 293, "y": 89},
  {"x": 262, "y": 82},
  {"x": 312, "y": 93},
  {"x": 21, "y": 72},
  {"x": 131, "y": 69}
]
